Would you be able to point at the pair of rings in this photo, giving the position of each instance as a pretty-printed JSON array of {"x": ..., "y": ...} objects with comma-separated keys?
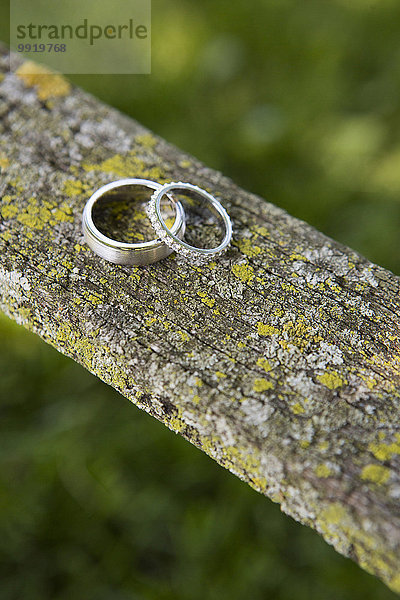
[{"x": 168, "y": 239}]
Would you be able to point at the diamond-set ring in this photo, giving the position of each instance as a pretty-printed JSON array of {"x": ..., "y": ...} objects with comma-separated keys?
[{"x": 168, "y": 237}]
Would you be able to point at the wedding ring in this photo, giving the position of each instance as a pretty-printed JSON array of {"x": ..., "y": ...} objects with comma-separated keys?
[
  {"x": 169, "y": 237},
  {"x": 123, "y": 253}
]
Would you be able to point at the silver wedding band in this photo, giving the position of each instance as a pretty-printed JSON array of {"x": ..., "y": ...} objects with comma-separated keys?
[
  {"x": 168, "y": 240},
  {"x": 122, "y": 253}
]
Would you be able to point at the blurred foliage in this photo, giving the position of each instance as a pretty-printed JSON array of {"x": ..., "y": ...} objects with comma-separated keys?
[{"x": 298, "y": 102}]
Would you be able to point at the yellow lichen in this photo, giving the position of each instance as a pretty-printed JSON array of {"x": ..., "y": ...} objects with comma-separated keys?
[
  {"x": 4, "y": 162},
  {"x": 300, "y": 334},
  {"x": 244, "y": 272},
  {"x": 323, "y": 470},
  {"x": 241, "y": 460},
  {"x": 264, "y": 364},
  {"x": 37, "y": 215},
  {"x": 185, "y": 164},
  {"x": 247, "y": 247},
  {"x": 265, "y": 329},
  {"x": 261, "y": 230},
  {"x": 48, "y": 83},
  {"x": 184, "y": 336},
  {"x": 331, "y": 379},
  {"x": 83, "y": 346},
  {"x": 73, "y": 187},
  {"x": 62, "y": 213},
  {"x": 375, "y": 473},
  {"x": 295, "y": 256},
  {"x": 147, "y": 140},
  {"x": 176, "y": 422},
  {"x": 333, "y": 515},
  {"x": 150, "y": 321},
  {"x": 385, "y": 451},
  {"x": 204, "y": 298},
  {"x": 127, "y": 165},
  {"x": 8, "y": 211},
  {"x": 297, "y": 409},
  {"x": 262, "y": 384}
]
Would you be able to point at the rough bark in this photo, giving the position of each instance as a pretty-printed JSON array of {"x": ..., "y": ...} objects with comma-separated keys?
[{"x": 280, "y": 360}]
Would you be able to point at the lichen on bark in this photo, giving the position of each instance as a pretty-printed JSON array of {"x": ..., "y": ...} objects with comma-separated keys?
[{"x": 279, "y": 359}]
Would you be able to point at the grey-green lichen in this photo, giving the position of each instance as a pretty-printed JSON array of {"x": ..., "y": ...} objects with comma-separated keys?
[{"x": 281, "y": 360}]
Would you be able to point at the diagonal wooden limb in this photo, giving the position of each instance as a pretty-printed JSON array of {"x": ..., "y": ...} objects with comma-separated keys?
[{"x": 280, "y": 359}]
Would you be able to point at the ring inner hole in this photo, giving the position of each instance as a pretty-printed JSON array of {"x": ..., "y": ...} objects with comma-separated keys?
[
  {"x": 120, "y": 214},
  {"x": 204, "y": 225}
]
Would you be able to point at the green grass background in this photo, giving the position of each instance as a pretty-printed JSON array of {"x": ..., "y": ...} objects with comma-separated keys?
[{"x": 296, "y": 101}]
